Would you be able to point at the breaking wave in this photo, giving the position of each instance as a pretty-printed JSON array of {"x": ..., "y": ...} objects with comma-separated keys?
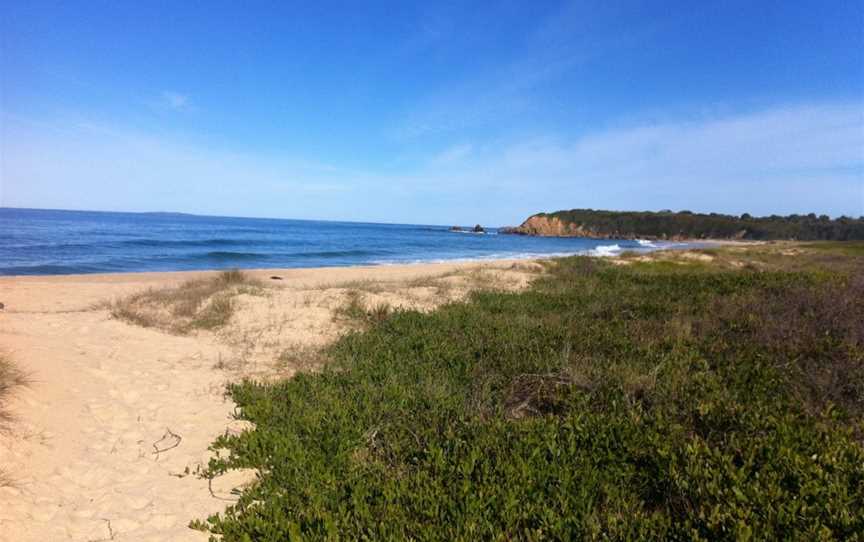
[{"x": 606, "y": 250}]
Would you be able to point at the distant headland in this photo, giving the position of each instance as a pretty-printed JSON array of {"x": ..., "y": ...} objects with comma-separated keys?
[{"x": 686, "y": 225}]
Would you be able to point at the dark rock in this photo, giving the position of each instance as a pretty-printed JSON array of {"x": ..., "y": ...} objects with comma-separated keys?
[
  {"x": 275, "y": 277},
  {"x": 510, "y": 230},
  {"x": 455, "y": 228},
  {"x": 478, "y": 229}
]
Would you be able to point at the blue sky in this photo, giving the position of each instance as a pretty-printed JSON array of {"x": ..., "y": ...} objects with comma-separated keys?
[{"x": 439, "y": 112}]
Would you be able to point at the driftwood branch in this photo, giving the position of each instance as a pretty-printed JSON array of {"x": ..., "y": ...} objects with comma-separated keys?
[{"x": 169, "y": 441}]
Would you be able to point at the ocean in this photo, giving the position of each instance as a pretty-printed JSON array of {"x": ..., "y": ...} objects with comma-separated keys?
[{"x": 49, "y": 242}]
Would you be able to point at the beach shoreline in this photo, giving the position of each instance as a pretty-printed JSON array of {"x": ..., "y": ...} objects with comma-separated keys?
[
  {"x": 197, "y": 273},
  {"x": 118, "y": 418},
  {"x": 257, "y": 271},
  {"x": 105, "y": 393}
]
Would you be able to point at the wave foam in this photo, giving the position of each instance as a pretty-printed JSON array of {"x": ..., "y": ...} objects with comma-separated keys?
[{"x": 605, "y": 250}]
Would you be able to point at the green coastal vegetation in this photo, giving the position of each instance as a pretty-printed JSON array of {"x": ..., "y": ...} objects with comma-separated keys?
[
  {"x": 688, "y": 225},
  {"x": 709, "y": 395}
]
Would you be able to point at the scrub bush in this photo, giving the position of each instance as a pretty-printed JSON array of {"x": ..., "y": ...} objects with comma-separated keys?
[{"x": 606, "y": 402}]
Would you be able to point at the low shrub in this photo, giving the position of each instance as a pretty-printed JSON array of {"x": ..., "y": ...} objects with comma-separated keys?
[{"x": 661, "y": 402}]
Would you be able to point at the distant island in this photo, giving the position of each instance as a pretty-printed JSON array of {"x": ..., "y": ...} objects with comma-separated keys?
[{"x": 685, "y": 225}]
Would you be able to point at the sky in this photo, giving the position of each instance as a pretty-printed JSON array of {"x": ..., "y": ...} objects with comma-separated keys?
[{"x": 432, "y": 112}]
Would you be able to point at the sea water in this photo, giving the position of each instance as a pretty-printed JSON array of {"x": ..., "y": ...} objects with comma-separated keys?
[{"x": 49, "y": 242}]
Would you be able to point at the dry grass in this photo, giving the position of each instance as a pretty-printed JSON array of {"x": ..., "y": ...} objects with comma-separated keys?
[
  {"x": 357, "y": 313},
  {"x": 771, "y": 256},
  {"x": 302, "y": 357},
  {"x": 366, "y": 302},
  {"x": 195, "y": 304},
  {"x": 364, "y": 285},
  {"x": 284, "y": 328},
  {"x": 437, "y": 289},
  {"x": 814, "y": 331},
  {"x": 11, "y": 377}
]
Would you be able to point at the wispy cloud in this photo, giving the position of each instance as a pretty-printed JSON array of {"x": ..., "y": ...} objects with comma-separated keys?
[
  {"x": 91, "y": 165},
  {"x": 479, "y": 101},
  {"x": 453, "y": 154},
  {"x": 801, "y": 158},
  {"x": 755, "y": 146},
  {"x": 175, "y": 100},
  {"x": 787, "y": 159},
  {"x": 501, "y": 92}
]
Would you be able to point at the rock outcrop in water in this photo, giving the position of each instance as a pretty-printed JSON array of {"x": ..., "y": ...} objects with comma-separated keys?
[{"x": 476, "y": 229}]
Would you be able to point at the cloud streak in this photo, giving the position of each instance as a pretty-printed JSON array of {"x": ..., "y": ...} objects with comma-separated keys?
[
  {"x": 797, "y": 158},
  {"x": 175, "y": 100},
  {"x": 790, "y": 159},
  {"x": 498, "y": 93},
  {"x": 453, "y": 154}
]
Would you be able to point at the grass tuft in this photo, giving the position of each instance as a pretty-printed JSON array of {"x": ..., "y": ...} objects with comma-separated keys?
[
  {"x": 355, "y": 311},
  {"x": 11, "y": 377},
  {"x": 233, "y": 276},
  {"x": 196, "y": 304},
  {"x": 302, "y": 357}
]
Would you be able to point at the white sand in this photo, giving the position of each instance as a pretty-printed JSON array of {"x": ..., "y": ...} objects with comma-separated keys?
[{"x": 106, "y": 394}]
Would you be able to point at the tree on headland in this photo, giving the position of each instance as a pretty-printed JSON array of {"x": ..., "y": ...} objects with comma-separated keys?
[{"x": 689, "y": 225}]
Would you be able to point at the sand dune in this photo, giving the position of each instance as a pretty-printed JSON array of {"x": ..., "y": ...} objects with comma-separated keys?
[{"x": 118, "y": 417}]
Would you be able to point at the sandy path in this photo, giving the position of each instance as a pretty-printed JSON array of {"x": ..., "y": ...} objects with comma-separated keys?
[{"x": 104, "y": 392}]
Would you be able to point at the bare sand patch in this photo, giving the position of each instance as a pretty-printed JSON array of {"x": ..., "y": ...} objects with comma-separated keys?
[{"x": 117, "y": 418}]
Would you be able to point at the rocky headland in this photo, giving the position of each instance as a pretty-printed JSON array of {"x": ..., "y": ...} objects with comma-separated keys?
[{"x": 686, "y": 225}]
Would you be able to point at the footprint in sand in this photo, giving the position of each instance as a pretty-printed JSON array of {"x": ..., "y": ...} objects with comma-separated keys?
[
  {"x": 137, "y": 503},
  {"x": 89, "y": 529}
]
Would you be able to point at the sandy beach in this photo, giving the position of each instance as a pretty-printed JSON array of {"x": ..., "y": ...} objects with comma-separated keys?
[{"x": 117, "y": 418}]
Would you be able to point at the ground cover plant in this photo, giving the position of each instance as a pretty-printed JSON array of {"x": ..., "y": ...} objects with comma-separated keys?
[
  {"x": 206, "y": 303},
  {"x": 660, "y": 400}
]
